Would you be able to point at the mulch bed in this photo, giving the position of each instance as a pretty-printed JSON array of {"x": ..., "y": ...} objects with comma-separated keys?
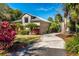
[{"x": 65, "y": 36}]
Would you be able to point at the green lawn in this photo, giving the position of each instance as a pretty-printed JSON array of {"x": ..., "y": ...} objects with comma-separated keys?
[{"x": 27, "y": 38}]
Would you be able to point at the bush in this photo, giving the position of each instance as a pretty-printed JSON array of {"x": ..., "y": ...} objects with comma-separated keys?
[
  {"x": 24, "y": 32},
  {"x": 72, "y": 45},
  {"x": 54, "y": 27},
  {"x": 7, "y": 35}
]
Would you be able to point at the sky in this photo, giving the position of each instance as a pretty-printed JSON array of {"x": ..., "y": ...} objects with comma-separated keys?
[{"x": 43, "y": 10}]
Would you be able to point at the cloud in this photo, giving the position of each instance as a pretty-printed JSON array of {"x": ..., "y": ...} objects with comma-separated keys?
[{"x": 44, "y": 9}]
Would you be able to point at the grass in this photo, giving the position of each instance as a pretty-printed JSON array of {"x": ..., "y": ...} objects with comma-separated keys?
[{"x": 27, "y": 38}]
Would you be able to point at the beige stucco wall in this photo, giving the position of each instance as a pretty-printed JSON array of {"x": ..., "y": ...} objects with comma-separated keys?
[
  {"x": 43, "y": 27},
  {"x": 38, "y": 23}
]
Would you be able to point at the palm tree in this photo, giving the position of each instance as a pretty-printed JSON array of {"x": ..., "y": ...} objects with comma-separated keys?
[
  {"x": 72, "y": 10},
  {"x": 74, "y": 16},
  {"x": 67, "y": 11},
  {"x": 58, "y": 19},
  {"x": 50, "y": 19}
]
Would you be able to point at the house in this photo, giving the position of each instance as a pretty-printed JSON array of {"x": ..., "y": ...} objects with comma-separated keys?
[{"x": 42, "y": 23}]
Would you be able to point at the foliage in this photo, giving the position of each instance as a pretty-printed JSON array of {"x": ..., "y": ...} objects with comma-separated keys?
[
  {"x": 74, "y": 14},
  {"x": 72, "y": 45},
  {"x": 54, "y": 26},
  {"x": 72, "y": 11},
  {"x": 19, "y": 25},
  {"x": 58, "y": 18},
  {"x": 24, "y": 32},
  {"x": 8, "y": 13},
  {"x": 7, "y": 34},
  {"x": 77, "y": 27},
  {"x": 50, "y": 19},
  {"x": 31, "y": 26}
]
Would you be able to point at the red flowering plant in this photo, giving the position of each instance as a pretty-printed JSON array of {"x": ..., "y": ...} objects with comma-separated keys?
[{"x": 7, "y": 35}]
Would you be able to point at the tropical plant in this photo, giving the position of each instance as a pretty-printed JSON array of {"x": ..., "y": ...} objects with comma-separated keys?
[
  {"x": 31, "y": 26},
  {"x": 54, "y": 27},
  {"x": 74, "y": 16},
  {"x": 51, "y": 20},
  {"x": 19, "y": 27},
  {"x": 72, "y": 45},
  {"x": 7, "y": 35},
  {"x": 55, "y": 24},
  {"x": 58, "y": 18},
  {"x": 72, "y": 11}
]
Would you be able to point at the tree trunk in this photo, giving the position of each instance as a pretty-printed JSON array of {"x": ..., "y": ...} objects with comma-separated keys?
[
  {"x": 64, "y": 26},
  {"x": 75, "y": 27}
]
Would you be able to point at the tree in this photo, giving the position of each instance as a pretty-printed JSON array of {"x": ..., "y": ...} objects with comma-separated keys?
[
  {"x": 54, "y": 27},
  {"x": 50, "y": 19},
  {"x": 72, "y": 11},
  {"x": 58, "y": 19},
  {"x": 66, "y": 13},
  {"x": 74, "y": 16},
  {"x": 8, "y": 13}
]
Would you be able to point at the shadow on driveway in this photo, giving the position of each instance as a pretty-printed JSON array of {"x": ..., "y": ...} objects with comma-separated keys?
[{"x": 48, "y": 52}]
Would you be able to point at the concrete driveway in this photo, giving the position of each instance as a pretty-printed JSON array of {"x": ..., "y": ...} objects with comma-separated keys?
[{"x": 49, "y": 45}]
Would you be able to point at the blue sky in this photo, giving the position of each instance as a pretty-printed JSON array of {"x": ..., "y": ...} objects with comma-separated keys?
[{"x": 43, "y": 10}]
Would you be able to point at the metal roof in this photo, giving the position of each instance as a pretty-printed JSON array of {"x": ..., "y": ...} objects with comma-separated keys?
[{"x": 35, "y": 19}]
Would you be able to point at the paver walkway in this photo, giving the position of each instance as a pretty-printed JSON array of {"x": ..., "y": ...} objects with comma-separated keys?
[{"x": 50, "y": 45}]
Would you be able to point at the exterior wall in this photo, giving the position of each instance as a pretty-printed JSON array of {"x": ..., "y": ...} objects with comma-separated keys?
[
  {"x": 43, "y": 27},
  {"x": 38, "y": 23},
  {"x": 23, "y": 20}
]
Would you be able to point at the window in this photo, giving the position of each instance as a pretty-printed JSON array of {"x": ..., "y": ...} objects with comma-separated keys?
[{"x": 26, "y": 19}]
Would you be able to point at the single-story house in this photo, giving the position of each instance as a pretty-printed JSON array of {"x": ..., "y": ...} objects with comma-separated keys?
[{"x": 43, "y": 23}]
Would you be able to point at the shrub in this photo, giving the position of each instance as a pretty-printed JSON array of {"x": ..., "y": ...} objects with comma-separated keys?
[
  {"x": 31, "y": 26},
  {"x": 72, "y": 45},
  {"x": 7, "y": 35},
  {"x": 24, "y": 32},
  {"x": 54, "y": 27}
]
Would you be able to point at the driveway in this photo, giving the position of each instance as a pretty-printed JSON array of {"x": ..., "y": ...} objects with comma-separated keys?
[{"x": 49, "y": 45}]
